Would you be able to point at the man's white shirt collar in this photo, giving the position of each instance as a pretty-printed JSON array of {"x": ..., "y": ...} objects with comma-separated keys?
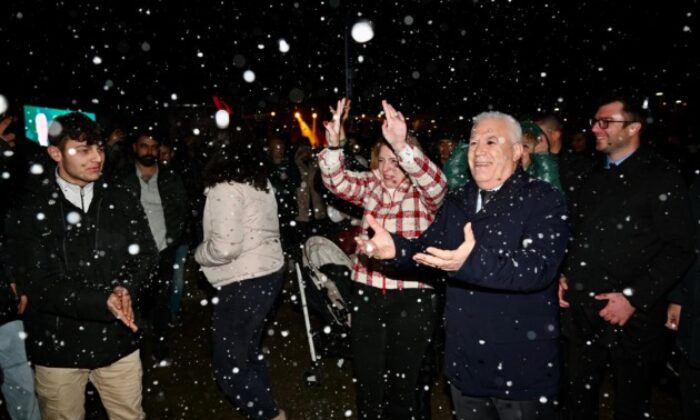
[{"x": 80, "y": 197}]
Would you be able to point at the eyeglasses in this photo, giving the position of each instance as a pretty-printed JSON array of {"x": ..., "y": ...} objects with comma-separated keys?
[{"x": 605, "y": 123}]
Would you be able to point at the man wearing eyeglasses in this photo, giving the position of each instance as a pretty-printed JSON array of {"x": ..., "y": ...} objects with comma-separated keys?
[{"x": 632, "y": 239}]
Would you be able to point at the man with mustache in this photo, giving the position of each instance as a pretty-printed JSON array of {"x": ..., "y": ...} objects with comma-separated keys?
[{"x": 162, "y": 194}]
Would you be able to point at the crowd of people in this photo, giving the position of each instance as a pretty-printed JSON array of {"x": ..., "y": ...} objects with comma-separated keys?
[{"x": 527, "y": 264}]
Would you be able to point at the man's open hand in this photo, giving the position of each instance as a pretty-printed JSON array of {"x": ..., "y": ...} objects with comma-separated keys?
[{"x": 448, "y": 260}]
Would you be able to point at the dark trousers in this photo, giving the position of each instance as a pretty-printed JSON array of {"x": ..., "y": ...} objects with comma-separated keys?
[
  {"x": 490, "y": 408},
  {"x": 434, "y": 355},
  {"x": 390, "y": 335},
  {"x": 690, "y": 390},
  {"x": 631, "y": 377},
  {"x": 158, "y": 304},
  {"x": 238, "y": 321}
]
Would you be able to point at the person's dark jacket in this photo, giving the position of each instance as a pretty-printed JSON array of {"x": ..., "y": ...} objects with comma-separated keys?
[
  {"x": 285, "y": 180},
  {"x": 632, "y": 233},
  {"x": 191, "y": 176},
  {"x": 115, "y": 159},
  {"x": 172, "y": 195},
  {"x": 8, "y": 301},
  {"x": 687, "y": 294},
  {"x": 571, "y": 166},
  {"x": 502, "y": 313},
  {"x": 68, "y": 262}
]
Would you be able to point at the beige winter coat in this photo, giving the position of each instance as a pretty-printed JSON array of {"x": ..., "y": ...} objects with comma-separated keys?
[{"x": 241, "y": 234}]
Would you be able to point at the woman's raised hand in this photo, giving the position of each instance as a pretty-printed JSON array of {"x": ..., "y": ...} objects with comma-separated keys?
[
  {"x": 394, "y": 128},
  {"x": 333, "y": 127}
]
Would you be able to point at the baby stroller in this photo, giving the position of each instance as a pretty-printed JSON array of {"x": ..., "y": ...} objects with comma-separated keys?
[{"x": 324, "y": 286}]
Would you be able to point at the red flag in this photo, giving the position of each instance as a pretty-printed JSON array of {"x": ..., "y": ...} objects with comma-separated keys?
[{"x": 220, "y": 104}]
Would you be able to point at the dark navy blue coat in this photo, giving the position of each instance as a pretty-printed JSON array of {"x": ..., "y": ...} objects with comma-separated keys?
[{"x": 502, "y": 312}]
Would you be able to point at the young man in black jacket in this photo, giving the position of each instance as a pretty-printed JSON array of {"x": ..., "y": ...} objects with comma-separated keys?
[{"x": 82, "y": 253}]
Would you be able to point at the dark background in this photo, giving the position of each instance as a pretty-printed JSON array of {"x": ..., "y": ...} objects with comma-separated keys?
[{"x": 454, "y": 59}]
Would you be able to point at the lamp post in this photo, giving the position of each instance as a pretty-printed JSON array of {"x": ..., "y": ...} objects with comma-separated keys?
[
  {"x": 362, "y": 31},
  {"x": 348, "y": 73}
]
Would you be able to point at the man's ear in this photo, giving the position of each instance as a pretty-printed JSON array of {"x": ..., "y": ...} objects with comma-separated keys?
[
  {"x": 55, "y": 153},
  {"x": 634, "y": 128},
  {"x": 555, "y": 134},
  {"x": 517, "y": 151}
]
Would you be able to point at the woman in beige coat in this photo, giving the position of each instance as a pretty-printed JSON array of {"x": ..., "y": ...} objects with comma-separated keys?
[{"x": 242, "y": 257}]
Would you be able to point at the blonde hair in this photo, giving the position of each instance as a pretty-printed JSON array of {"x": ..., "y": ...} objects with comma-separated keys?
[{"x": 374, "y": 154}]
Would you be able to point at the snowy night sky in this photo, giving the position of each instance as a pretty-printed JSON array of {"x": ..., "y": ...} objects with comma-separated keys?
[{"x": 436, "y": 58}]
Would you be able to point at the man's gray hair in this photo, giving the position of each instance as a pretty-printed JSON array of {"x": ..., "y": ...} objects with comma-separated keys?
[{"x": 515, "y": 133}]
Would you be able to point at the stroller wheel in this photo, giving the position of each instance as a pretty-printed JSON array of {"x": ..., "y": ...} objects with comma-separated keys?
[{"x": 314, "y": 376}]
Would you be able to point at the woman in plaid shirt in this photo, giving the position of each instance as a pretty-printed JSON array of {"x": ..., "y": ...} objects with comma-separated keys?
[{"x": 392, "y": 318}]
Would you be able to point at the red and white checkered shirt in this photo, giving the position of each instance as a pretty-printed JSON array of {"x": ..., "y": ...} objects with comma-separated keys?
[{"x": 407, "y": 210}]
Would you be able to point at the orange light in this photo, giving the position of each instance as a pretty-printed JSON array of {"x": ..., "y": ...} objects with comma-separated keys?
[
  {"x": 273, "y": 113},
  {"x": 307, "y": 131}
]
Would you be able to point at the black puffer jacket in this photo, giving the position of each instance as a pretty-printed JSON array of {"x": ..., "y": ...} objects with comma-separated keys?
[{"x": 68, "y": 262}]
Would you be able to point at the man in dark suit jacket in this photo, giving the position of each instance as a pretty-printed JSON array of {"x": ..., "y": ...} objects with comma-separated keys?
[
  {"x": 499, "y": 239},
  {"x": 632, "y": 239},
  {"x": 164, "y": 200},
  {"x": 683, "y": 316}
]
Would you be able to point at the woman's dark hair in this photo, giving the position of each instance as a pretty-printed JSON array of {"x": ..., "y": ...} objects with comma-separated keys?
[{"x": 239, "y": 158}]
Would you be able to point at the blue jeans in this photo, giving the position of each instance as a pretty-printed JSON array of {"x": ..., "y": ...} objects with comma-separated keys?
[
  {"x": 238, "y": 322},
  {"x": 18, "y": 384}
]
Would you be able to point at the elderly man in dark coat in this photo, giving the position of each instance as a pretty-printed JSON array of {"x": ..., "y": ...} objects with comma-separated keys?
[{"x": 499, "y": 240}]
